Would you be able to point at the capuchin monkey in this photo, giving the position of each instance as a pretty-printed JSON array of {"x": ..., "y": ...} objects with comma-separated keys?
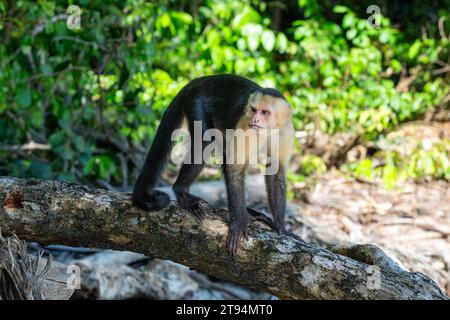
[{"x": 222, "y": 102}]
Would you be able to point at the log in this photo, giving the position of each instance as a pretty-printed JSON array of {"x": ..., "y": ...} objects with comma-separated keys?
[
  {"x": 112, "y": 275},
  {"x": 54, "y": 283},
  {"x": 55, "y": 212}
]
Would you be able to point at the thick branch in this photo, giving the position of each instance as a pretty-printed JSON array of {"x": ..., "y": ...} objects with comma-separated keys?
[{"x": 52, "y": 212}]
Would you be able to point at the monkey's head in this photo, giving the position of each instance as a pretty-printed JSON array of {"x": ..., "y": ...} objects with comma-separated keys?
[{"x": 267, "y": 108}]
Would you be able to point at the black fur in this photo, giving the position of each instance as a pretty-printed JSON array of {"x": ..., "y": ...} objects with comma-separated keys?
[
  {"x": 144, "y": 196},
  {"x": 271, "y": 92},
  {"x": 219, "y": 101}
]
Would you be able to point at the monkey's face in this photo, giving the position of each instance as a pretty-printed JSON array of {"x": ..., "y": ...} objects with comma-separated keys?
[
  {"x": 267, "y": 112},
  {"x": 261, "y": 117}
]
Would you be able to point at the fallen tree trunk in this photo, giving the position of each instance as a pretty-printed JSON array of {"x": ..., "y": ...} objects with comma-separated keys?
[
  {"x": 110, "y": 275},
  {"x": 53, "y": 212}
]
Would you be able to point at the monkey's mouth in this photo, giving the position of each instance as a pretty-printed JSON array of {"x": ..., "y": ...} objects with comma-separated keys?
[{"x": 254, "y": 126}]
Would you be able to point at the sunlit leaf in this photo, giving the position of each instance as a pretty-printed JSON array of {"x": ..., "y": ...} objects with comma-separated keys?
[{"x": 268, "y": 40}]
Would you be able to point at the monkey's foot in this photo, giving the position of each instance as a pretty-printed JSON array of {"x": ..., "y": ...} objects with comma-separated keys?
[
  {"x": 192, "y": 204},
  {"x": 261, "y": 217},
  {"x": 236, "y": 233},
  {"x": 154, "y": 200}
]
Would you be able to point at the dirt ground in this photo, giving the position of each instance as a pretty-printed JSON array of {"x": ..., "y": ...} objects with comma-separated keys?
[{"x": 411, "y": 224}]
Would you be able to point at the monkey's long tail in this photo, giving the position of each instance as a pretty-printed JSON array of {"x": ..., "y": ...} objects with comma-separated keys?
[{"x": 144, "y": 195}]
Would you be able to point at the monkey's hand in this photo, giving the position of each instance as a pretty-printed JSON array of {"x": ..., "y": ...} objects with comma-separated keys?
[
  {"x": 192, "y": 204},
  {"x": 238, "y": 230}
]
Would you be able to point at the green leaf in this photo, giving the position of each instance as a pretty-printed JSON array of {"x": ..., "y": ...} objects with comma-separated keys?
[
  {"x": 37, "y": 118},
  {"x": 253, "y": 32},
  {"x": 414, "y": 50},
  {"x": 89, "y": 167},
  {"x": 268, "y": 40},
  {"x": 389, "y": 176},
  {"x": 351, "y": 34},
  {"x": 23, "y": 97},
  {"x": 26, "y": 50},
  {"x": 48, "y": 7},
  {"x": 165, "y": 20},
  {"x": 349, "y": 20},
  {"x": 340, "y": 9},
  {"x": 282, "y": 42},
  {"x": 242, "y": 18},
  {"x": 384, "y": 36},
  {"x": 328, "y": 81},
  {"x": 253, "y": 41},
  {"x": 182, "y": 16},
  {"x": 396, "y": 65}
]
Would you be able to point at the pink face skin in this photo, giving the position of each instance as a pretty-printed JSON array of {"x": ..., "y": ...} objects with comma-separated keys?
[{"x": 261, "y": 117}]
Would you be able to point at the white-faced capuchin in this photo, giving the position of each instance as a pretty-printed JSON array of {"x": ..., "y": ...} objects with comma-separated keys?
[{"x": 222, "y": 102}]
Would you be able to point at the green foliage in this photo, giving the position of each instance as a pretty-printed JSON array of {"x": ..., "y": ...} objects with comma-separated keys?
[
  {"x": 311, "y": 164},
  {"x": 349, "y": 73},
  {"x": 96, "y": 95},
  {"x": 420, "y": 163}
]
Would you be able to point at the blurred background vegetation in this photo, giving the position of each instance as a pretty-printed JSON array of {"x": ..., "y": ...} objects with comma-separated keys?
[{"x": 83, "y": 105}]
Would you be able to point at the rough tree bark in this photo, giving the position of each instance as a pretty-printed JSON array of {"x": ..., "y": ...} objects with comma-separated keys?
[{"x": 53, "y": 212}]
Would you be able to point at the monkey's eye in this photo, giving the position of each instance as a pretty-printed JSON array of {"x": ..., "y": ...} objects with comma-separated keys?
[
  {"x": 253, "y": 109},
  {"x": 265, "y": 112}
]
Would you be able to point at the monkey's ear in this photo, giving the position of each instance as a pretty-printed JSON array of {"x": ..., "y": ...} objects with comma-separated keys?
[{"x": 283, "y": 112}]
